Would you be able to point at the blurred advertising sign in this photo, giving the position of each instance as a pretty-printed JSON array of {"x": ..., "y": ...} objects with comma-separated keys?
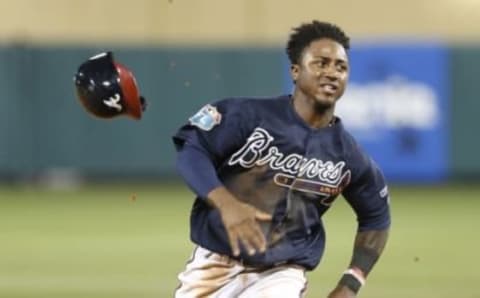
[{"x": 396, "y": 106}]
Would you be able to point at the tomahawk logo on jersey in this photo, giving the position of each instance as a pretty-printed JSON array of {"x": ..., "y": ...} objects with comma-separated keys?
[
  {"x": 294, "y": 171},
  {"x": 267, "y": 156}
]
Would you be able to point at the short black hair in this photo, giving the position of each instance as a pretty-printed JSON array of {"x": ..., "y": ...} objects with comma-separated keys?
[{"x": 304, "y": 34}]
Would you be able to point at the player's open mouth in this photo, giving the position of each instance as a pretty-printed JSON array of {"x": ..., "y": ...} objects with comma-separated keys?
[{"x": 328, "y": 88}]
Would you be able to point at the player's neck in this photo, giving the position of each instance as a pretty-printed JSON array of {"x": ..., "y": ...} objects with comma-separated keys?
[{"x": 314, "y": 115}]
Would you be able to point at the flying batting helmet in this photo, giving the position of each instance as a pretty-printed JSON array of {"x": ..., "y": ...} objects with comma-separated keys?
[{"x": 108, "y": 89}]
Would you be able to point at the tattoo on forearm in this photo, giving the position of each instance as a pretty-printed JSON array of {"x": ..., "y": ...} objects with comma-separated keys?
[{"x": 368, "y": 248}]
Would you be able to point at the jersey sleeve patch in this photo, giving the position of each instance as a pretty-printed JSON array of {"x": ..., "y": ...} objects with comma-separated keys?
[
  {"x": 384, "y": 194},
  {"x": 206, "y": 118}
]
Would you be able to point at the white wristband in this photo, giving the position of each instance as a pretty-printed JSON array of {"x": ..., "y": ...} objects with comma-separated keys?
[{"x": 358, "y": 276}]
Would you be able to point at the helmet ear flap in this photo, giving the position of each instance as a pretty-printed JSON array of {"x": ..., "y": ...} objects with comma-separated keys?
[
  {"x": 143, "y": 102},
  {"x": 107, "y": 89}
]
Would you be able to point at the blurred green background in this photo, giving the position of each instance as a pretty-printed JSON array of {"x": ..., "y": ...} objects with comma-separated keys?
[
  {"x": 98, "y": 242},
  {"x": 69, "y": 223}
]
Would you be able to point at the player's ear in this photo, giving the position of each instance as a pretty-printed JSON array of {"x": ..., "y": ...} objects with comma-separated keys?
[{"x": 294, "y": 71}]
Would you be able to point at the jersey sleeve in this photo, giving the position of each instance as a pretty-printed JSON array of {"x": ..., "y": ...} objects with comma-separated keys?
[
  {"x": 368, "y": 195},
  {"x": 217, "y": 129},
  {"x": 197, "y": 170}
]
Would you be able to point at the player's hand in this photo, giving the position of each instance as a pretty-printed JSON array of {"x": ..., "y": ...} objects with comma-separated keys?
[
  {"x": 240, "y": 221},
  {"x": 341, "y": 292}
]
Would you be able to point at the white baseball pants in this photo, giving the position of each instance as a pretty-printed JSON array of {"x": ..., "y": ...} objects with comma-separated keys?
[{"x": 212, "y": 275}]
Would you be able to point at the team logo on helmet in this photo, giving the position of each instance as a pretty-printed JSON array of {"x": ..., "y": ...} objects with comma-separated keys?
[
  {"x": 107, "y": 88},
  {"x": 114, "y": 102},
  {"x": 206, "y": 118}
]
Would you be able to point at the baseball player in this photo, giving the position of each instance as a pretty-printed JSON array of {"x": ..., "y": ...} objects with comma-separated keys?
[{"x": 264, "y": 172}]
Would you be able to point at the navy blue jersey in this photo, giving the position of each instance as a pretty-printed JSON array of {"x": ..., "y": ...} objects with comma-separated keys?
[{"x": 267, "y": 156}]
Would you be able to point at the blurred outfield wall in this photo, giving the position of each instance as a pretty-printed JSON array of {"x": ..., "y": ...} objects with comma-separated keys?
[{"x": 185, "y": 53}]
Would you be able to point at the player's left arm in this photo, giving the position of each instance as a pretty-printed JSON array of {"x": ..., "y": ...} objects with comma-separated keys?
[
  {"x": 368, "y": 247},
  {"x": 369, "y": 198}
]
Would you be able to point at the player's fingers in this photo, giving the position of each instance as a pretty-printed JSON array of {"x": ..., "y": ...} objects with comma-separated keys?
[
  {"x": 247, "y": 244},
  {"x": 252, "y": 238},
  {"x": 247, "y": 236},
  {"x": 258, "y": 239},
  {"x": 233, "y": 240},
  {"x": 262, "y": 216}
]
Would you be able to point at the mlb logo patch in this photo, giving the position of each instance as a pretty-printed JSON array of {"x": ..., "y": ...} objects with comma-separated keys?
[{"x": 206, "y": 118}]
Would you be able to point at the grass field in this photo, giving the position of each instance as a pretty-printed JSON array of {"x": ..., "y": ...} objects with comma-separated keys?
[{"x": 98, "y": 242}]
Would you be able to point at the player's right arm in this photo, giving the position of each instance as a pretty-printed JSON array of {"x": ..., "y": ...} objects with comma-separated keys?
[
  {"x": 201, "y": 147},
  {"x": 238, "y": 218}
]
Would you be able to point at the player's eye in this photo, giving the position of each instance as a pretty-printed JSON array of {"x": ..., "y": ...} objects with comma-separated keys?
[
  {"x": 342, "y": 67},
  {"x": 320, "y": 64}
]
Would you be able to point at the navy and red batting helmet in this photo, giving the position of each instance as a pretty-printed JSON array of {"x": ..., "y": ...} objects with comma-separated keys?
[{"x": 107, "y": 88}]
